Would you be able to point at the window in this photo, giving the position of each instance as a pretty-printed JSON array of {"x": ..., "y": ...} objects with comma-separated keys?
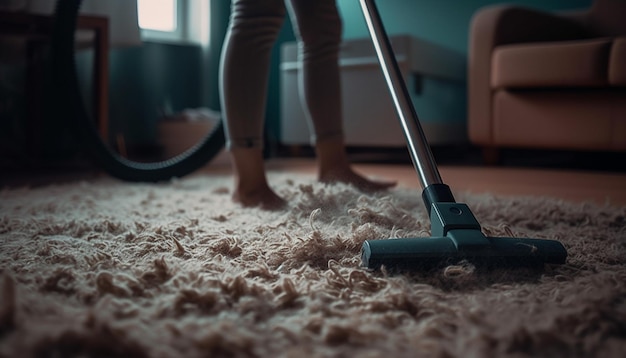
[
  {"x": 158, "y": 15},
  {"x": 181, "y": 21}
]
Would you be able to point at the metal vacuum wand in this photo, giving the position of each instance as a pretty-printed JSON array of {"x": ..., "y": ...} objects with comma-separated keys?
[{"x": 418, "y": 147}]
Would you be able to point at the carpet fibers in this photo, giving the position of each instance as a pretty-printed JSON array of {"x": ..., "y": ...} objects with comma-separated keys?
[{"x": 104, "y": 268}]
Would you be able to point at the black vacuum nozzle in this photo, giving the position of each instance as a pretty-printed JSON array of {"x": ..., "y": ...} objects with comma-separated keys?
[
  {"x": 457, "y": 236},
  {"x": 433, "y": 252}
]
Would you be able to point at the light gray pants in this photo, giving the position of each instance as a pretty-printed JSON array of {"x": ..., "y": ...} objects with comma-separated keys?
[{"x": 245, "y": 63}]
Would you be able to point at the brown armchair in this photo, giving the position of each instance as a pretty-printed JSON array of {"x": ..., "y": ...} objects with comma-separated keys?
[{"x": 540, "y": 80}]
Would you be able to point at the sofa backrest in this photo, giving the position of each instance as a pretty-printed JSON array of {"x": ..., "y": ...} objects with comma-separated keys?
[{"x": 607, "y": 18}]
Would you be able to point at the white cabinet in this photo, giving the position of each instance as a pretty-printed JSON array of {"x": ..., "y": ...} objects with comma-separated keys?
[{"x": 436, "y": 79}]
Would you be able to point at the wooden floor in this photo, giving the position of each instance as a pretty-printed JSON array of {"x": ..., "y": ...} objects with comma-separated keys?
[
  {"x": 570, "y": 185},
  {"x": 575, "y": 185}
]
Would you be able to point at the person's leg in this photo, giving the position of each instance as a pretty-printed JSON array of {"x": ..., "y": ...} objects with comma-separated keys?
[
  {"x": 318, "y": 27},
  {"x": 244, "y": 71}
]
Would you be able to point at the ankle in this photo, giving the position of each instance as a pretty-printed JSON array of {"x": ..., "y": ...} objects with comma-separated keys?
[{"x": 332, "y": 157}]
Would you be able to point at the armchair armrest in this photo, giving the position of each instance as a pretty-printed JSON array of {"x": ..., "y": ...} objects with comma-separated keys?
[{"x": 499, "y": 25}]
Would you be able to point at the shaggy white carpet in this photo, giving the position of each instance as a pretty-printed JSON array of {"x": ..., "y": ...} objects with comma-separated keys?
[{"x": 105, "y": 268}]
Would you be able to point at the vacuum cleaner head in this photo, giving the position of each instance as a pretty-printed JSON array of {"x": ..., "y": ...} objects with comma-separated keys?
[
  {"x": 457, "y": 236},
  {"x": 432, "y": 252}
]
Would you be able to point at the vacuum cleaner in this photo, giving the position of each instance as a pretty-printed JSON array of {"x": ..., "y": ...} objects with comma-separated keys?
[{"x": 456, "y": 234}]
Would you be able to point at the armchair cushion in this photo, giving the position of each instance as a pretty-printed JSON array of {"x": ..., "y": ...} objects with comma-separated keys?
[{"x": 580, "y": 63}]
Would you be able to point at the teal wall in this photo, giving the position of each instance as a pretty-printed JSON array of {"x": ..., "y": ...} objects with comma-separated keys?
[{"x": 150, "y": 80}]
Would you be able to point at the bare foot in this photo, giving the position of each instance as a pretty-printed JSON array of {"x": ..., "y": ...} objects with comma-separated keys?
[
  {"x": 334, "y": 167},
  {"x": 349, "y": 176},
  {"x": 264, "y": 198},
  {"x": 251, "y": 187}
]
